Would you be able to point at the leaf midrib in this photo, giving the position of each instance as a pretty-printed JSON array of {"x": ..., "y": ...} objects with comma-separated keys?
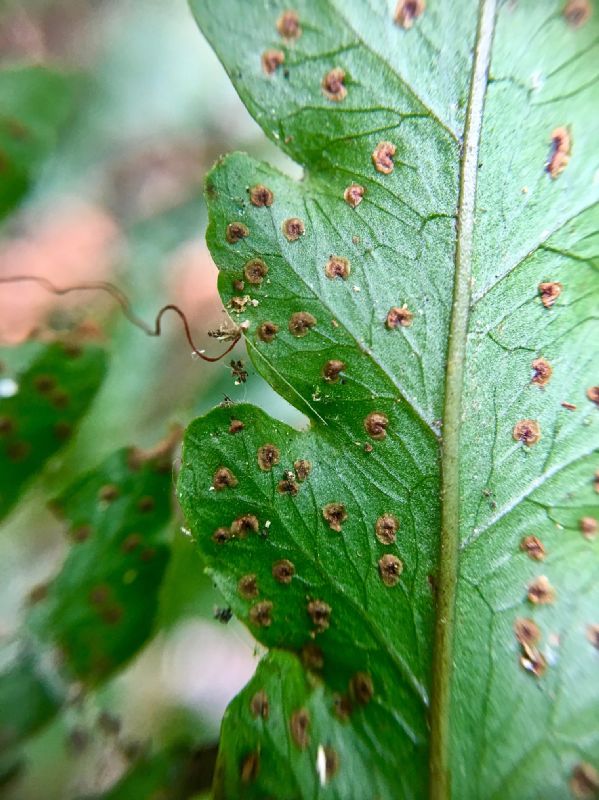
[{"x": 439, "y": 768}]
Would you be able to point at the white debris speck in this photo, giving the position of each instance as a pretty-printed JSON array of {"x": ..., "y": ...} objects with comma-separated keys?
[
  {"x": 8, "y": 387},
  {"x": 186, "y": 532},
  {"x": 356, "y": 289},
  {"x": 321, "y": 765},
  {"x": 536, "y": 81},
  {"x": 211, "y": 488},
  {"x": 267, "y": 524}
]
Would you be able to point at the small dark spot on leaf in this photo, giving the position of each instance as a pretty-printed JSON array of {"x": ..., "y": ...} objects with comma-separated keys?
[
  {"x": 302, "y": 469},
  {"x": 268, "y": 457},
  {"x": 60, "y": 399},
  {"x": 532, "y": 660},
  {"x": 148, "y": 553},
  {"x": 407, "y": 11},
  {"x": 542, "y": 371},
  {"x": 293, "y": 228},
  {"x": 146, "y": 504},
  {"x": 331, "y": 761},
  {"x": 238, "y": 285},
  {"x": 540, "y": 591},
  {"x": 354, "y": 194},
  {"x": 259, "y": 706},
  {"x": 527, "y": 632},
  {"x": 18, "y": 451},
  {"x": 255, "y": 271},
  {"x": 361, "y": 688},
  {"x": 399, "y": 317},
  {"x": 223, "y": 478},
  {"x": 250, "y": 767},
  {"x": 267, "y": 331},
  {"x": 382, "y": 157},
  {"x": 283, "y": 570},
  {"x": 549, "y": 292},
  {"x": 593, "y": 635},
  {"x": 568, "y": 406},
  {"x": 577, "y": 12},
  {"x": 7, "y": 426},
  {"x": 333, "y": 85},
  {"x": 375, "y": 425},
  {"x": 588, "y": 527},
  {"x": 261, "y": 614},
  {"x": 271, "y": 60},
  {"x": 386, "y": 528},
  {"x": 109, "y": 493},
  {"x": 560, "y": 152},
  {"x": 337, "y": 267},
  {"x": 332, "y": 369},
  {"x": 245, "y": 524},
  {"x": 320, "y": 614},
  {"x": 584, "y": 782},
  {"x": 390, "y": 569},
  {"x": 44, "y": 383},
  {"x": 112, "y": 615},
  {"x": 299, "y": 725},
  {"x": 236, "y": 426},
  {"x": 335, "y": 514},
  {"x": 247, "y": 586},
  {"x": 288, "y": 25},
  {"x": 312, "y": 657},
  {"x": 593, "y": 394},
  {"x": 109, "y": 723},
  {"x": 99, "y": 594},
  {"x": 534, "y": 547},
  {"x": 288, "y": 485},
  {"x": 236, "y": 231},
  {"x": 81, "y": 533},
  {"x": 261, "y": 196},
  {"x": 222, "y": 535},
  {"x": 527, "y": 431},
  {"x": 342, "y": 707},
  {"x": 300, "y": 323},
  {"x": 131, "y": 542},
  {"x": 62, "y": 429},
  {"x": 37, "y": 594}
]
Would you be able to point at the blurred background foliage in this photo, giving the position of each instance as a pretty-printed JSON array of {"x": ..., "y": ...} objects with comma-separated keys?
[{"x": 142, "y": 109}]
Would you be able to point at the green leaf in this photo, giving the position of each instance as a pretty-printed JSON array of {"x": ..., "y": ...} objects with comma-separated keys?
[
  {"x": 416, "y": 313},
  {"x": 100, "y": 608},
  {"x": 35, "y": 104},
  {"x": 40, "y": 406}
]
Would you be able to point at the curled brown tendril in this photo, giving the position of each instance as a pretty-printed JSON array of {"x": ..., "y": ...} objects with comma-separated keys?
[{"x": 125, "y": 305}]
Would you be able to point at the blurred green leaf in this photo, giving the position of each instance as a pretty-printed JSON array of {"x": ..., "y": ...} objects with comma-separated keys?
[
  {"x": 101, "y": 607},
  {"x": 35, "y": 103},
  {"x": 40, "y": 409}
]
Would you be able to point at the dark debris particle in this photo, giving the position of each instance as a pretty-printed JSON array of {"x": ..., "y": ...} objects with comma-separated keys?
[
  {"x": 386, "y": 528},
  {"x": 293, "y": 228},
  {"x": 527, "y": 431},
  {"x": 390, "y": 569},
  {"x": 361, "y": 688},
  {"x": 320, "y": 614},
  {"x": 224, "y": 615},
  {"x": 533, "y": 547},
  {"x": 244, "y": 525},
  {"x": 300, "y": 323},
  {"x": 333, "y": 85},
  {"x": 335, "y": 514},
  {"x": 259, "y": 705},
  {"x": 247, "y": 586},
  {"x": 382, "y": 157},
  {"x": 223, "y": 478},
  {"x": 236, "y": 231},
  {"x": 375, "y": 425},
  {"x": 407, "y": 12},
  {"x": 261, "y": 614},
  {"x": 268, "y": 457},
  {"x": 267, "y": 331},
  {"x": 271, "y": 60},
  {"x": 283, "y": 571}
]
